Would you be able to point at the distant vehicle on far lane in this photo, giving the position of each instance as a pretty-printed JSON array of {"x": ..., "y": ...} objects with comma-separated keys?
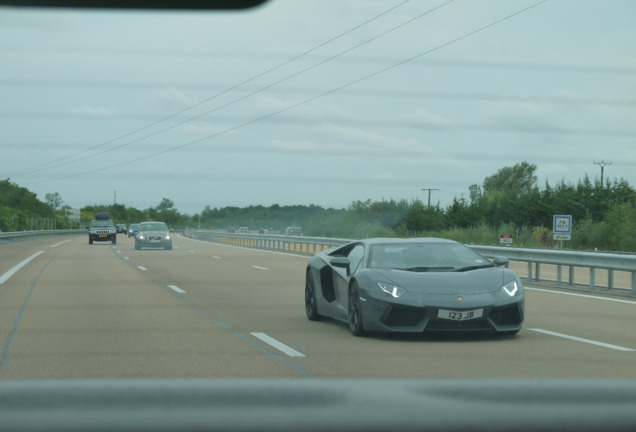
[
  {"x": 244, "y": 230},
  {"x": 131, "y": 229},
  {"x": 121, "y": 228},
  {"x": 294, "y": 231}
]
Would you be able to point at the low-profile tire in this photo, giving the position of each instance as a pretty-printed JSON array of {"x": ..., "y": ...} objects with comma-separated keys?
[
  {"x": 137, "y": 247},
  {"x": 168, "y": 247},
  {"x": 311, "y": 309},
  {"x": 114, "y": 240},
  {"x": 90, "y": 240},
  {"x": 355, "y": 311}
]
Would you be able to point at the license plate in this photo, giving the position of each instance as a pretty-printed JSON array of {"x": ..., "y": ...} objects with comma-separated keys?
[
  {"x": 103, "y": 236},
  {"x": 155, "y": 241},
  {"x": 460, "y": 315}
]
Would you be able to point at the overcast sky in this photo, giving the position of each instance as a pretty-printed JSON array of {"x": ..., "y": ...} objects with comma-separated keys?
[{"x": 319, "y": 102}]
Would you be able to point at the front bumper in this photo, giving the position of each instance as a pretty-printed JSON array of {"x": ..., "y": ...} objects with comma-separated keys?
[
  {"x": 102, "y": 237},
  {"x": 153, "y": 242},
  {"x": 497, "y": 315}
]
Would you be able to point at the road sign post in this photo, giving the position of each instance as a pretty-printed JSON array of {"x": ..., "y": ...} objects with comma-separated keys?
[
  {"x": 562, "y": 228},
  {"x": 505, "y": 239}
]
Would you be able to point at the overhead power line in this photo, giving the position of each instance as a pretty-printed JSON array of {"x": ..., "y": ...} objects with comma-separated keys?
[
  {"x": 51, "y": 164},
  {"x": 308, "y": 100}
]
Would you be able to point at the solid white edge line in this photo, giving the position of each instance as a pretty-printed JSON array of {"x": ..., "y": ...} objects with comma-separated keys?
[
  {"x": 176, "y": 289},
  {"x": 578, "y": 339},
  {"x": 278, "y": 345},
  {"x": 5, "y": 277},
  {"x": 582, "y": 295}
]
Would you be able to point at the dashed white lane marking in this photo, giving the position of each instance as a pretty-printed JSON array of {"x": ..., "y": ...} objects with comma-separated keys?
[
  {"x": 578, "y": 339},
  {"x": 216, "y": 257},
  {"x": 5, "y": 277},
  {"x": 142, "y": 268},
  {"x": 260, "y": 268},
  {"x": 62, "y": 242},
  {"x": 176, "y": 289},
  {"x": 278, "y": 345}
]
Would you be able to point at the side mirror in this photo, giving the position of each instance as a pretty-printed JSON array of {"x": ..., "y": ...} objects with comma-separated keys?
[
  {"x": 500, "y": 261},
  {"x": 341, "y": 262}
]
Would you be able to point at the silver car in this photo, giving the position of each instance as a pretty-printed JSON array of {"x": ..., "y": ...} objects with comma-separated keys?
[{"x": 153, "y": 235}]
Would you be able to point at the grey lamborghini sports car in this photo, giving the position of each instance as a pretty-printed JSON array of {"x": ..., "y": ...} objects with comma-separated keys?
[{"x": 413, "y": 285}]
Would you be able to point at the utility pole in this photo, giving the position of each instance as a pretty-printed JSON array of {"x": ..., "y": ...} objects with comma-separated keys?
[
  {"x": 429, "y": 195},
  {"x": 602, "y": 164}
]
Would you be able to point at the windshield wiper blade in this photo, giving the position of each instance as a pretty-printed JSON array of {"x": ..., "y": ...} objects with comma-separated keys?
[
  {"x": 474, "y": 267},
  {"x": 426, "y": 269}
]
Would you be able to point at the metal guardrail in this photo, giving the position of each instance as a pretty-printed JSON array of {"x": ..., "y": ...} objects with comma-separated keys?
[
  {"x": 10, "y": 237},
  {"x": 533, "y": 257},
  {"x": 592, "y": 260},
  {"x": 283, "y": 243}
]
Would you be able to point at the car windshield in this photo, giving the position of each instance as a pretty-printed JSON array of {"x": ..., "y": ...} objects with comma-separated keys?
[
  {"x": 152, "y": 227},
  {"x": 425, "y": 257},
  {"x": 102, "y": 224},
  {"x": 253, "y": 143}
]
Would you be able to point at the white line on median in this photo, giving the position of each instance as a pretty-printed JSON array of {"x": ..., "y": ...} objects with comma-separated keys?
[
  {"x": 278, "y": 345},
  {"x": 5, "y": 277},
  {"x": 582, "y": 295},
  {"x": 176, "y": 289},
  {"x": 260, "y": 268},
  {"x": 574, "y": 338}
]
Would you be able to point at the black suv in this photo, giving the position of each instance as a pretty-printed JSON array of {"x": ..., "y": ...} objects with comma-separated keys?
[{"x": 102, "y": 229}]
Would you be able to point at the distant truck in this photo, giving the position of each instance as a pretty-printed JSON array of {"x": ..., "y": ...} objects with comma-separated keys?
[{"x": 102, "y": 229}]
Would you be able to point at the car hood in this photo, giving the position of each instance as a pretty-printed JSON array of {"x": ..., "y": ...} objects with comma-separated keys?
[{"x": 479, "y": 281}]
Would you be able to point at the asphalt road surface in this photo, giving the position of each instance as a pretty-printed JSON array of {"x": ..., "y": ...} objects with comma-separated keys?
[{"x": 213, "y": 311}]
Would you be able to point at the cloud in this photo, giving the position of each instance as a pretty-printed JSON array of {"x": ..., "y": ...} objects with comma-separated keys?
[
  {"x": 96, "y": 112},
  {"x": 170, "y": 96},
  {"x": 424, "y": 117}
]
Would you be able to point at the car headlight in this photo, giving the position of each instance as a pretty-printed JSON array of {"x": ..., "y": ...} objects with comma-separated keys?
[
  {"x": 392, "y": 289},
  {"x": 167, "y": 237},
  {"x": 511, "y": 288},
  {"x": 140, "y": 237}
]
